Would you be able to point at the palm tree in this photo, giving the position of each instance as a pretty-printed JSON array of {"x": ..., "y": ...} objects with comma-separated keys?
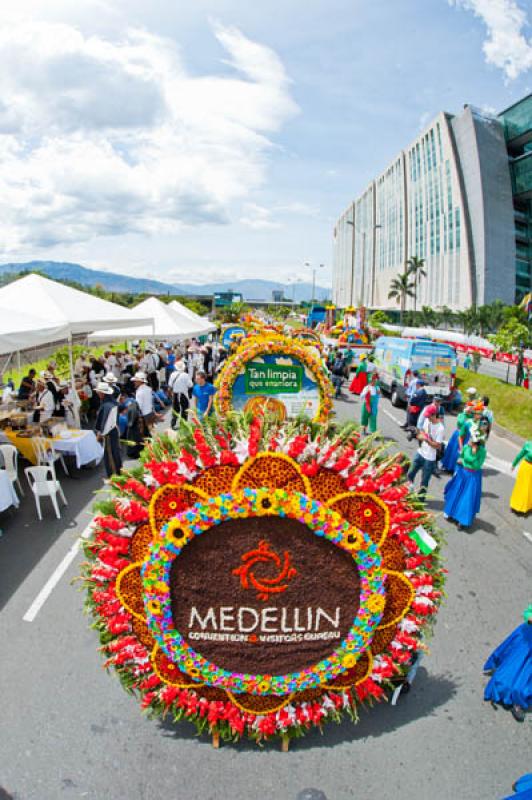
[
  {"x": 401, "y": 287},
  {"x": 428, "y": 317},
  {"x": 468, "y": 319},
  {"x": 415, "y": 266},
  {"x": 446, "y": 317}
]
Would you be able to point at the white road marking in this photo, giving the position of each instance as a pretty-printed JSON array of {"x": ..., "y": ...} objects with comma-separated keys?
[
  {"x": 499, "y": 464},
  {"x": 392, "y": 416},
  {"x": 527, "y": 535},
  {"x": 54, "y": 578}
]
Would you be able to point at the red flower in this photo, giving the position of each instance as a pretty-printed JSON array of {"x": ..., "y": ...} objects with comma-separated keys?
[
  {"x": 297, "y": 445},
  {"x": 151, "y": 682},
  {"x": 148, "y": 699},
  {"x": 310, "y": 468},
  {"x": 228, "y": 458},
  {"x": 109, "y": 522},
  {"x": 131, "y": 511},
  {"x": 164, "y": 471},
  {"x": 189, "y": 461},
  {"x": 138, "y": 488}
]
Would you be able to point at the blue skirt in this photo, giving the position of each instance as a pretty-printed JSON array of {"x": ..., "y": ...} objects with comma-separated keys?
[
  {"x": 511, "y": 661},
  {"x": 463, "y": 494},
  {"x": 450, "y": 457}
]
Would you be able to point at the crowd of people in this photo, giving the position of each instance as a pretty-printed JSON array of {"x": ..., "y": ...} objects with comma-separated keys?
[
  {"x": 464, "y": 454},
  {"x": 122, "y": 394}
]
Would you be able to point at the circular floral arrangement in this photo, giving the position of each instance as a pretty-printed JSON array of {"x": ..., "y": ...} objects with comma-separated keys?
[
  {"x": 267, "y": 344},
  {"x": 310, "y": 337},
  {"x": 339, "y": 494}
]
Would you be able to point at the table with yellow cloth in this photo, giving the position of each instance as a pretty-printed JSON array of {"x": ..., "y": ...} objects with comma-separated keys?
[{"x": 83, "y": 445}]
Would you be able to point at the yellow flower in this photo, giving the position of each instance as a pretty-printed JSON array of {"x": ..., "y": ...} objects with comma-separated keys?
[
  {"x": 349, "y": 661},
  {"x": 352, "y": 540},
  {"x": 376, "y": 603},
  {"x": 154, "y": 607}
]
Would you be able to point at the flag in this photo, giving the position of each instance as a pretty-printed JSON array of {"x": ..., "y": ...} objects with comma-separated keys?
[{"x": 424, "y": 540}]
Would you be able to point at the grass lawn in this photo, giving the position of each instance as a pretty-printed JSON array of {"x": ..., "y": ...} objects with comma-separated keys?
[
  {"x": 511, "y": 405},
  {"x": 294, "y": 323}
]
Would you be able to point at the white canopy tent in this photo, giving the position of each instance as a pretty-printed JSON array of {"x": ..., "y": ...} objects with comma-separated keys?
[
  {"x": 210, "y": 327},
  {"x": 168, "y": 325},
  {"x": 70, "y": 310},
  {"x": 22, "y": 331},
  {"x": 61, "y": 305}
]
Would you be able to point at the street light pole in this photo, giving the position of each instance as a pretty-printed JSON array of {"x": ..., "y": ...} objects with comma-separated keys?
[{"x": 321, "y": 266}]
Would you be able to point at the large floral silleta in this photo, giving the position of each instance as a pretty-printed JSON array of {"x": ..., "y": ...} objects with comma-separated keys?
[{"x": 262, "y": 578}]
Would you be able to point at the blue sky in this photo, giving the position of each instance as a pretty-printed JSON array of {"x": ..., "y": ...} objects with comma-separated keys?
[{"x": 221, "y": 140}]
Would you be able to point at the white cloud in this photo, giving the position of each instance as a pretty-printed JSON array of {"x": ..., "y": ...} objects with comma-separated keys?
[
  {"x": 506, "y": 46},
  {"x": 258, "y": 217},
  {"x": 101, "y": 137}
]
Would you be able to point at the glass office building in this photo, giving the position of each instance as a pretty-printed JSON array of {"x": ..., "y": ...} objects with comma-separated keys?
[
  {"x": 460, "y": 198},
  {"x": 517, "y": 123}
]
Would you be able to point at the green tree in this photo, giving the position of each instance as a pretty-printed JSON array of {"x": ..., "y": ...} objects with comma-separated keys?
[
  {"x": 510, "y": 338},
  {"x": 401, "y": 287},
  {"x": 232, "y": 313},
  {"x": 428, "y": 317},
  {"x": 446, "y": 317},
  {"x": 415, "y": 267},
  {"x": 468, "y": 320},
  {"x": 379, "y": 318}
]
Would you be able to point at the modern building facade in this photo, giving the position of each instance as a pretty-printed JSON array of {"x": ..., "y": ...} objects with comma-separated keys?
[
  {"x": 457, "y": 197},
  {"x": 517, "y": 122}
]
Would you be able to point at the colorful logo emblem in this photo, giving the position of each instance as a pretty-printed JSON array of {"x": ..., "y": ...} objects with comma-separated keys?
[{"x": 263, "y": 554}]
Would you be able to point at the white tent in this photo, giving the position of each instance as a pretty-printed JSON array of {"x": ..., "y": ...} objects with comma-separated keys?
[
  {"x": 209, "y": 326},
  {"x": 21, "y": 331},
  {"x": 61, "y": 305},
  {"x": 72, "y": 310},
  {"x": 168, "y": 325}
]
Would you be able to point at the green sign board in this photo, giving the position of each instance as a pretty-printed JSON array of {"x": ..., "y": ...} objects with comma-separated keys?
[{"x": 273, "y": 378}]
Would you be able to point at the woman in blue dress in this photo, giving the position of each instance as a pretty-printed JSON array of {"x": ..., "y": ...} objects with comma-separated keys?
[
  {"x": 459, "y": 439},
  {"x": 510, "y": 666},
  {"x": 463, "y": 492}
]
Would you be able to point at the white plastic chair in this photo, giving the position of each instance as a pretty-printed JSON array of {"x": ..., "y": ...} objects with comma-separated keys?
[
  {"x": 46, "y": 454},
  {"x": 43, "y": 483},
  {"x": 9, "y": 455}
]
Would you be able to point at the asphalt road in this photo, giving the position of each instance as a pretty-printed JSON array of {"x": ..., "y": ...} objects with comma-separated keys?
[{"x": 68, "y": 730}]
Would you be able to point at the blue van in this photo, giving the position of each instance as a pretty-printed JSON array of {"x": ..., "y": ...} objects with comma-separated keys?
[{"x": 396, "y": 359}]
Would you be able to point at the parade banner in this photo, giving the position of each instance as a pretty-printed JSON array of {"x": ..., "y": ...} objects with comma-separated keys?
[
  {"x": 280, "y": 375},
  {"x": 258, "y": 592}
]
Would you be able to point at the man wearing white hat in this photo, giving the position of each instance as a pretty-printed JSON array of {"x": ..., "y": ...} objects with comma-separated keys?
[
  {"x": 45, "y": 401},
  {"x": 111, "y": 380},
  {"x": 106, "y": 429}
]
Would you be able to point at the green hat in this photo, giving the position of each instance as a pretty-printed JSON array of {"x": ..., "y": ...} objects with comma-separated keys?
[{"x": 527, "y": 613}]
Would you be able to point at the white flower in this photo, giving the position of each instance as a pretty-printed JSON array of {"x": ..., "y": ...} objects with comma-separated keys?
[{"x": 241, "y": 450}]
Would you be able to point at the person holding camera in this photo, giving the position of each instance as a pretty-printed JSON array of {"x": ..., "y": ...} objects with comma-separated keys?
[{"x": 431, "y": 439}]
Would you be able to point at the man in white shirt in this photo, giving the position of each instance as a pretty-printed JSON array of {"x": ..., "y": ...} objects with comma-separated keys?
[
  {"x": 144, "y": 398},
  {"x": 180, "y": 385},
  {"x": 431, "y": 438},
  {"x": 45, "y": 402}
]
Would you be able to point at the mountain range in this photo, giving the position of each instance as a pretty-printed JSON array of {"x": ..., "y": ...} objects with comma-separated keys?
[{"x": 250, "y": 288}]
